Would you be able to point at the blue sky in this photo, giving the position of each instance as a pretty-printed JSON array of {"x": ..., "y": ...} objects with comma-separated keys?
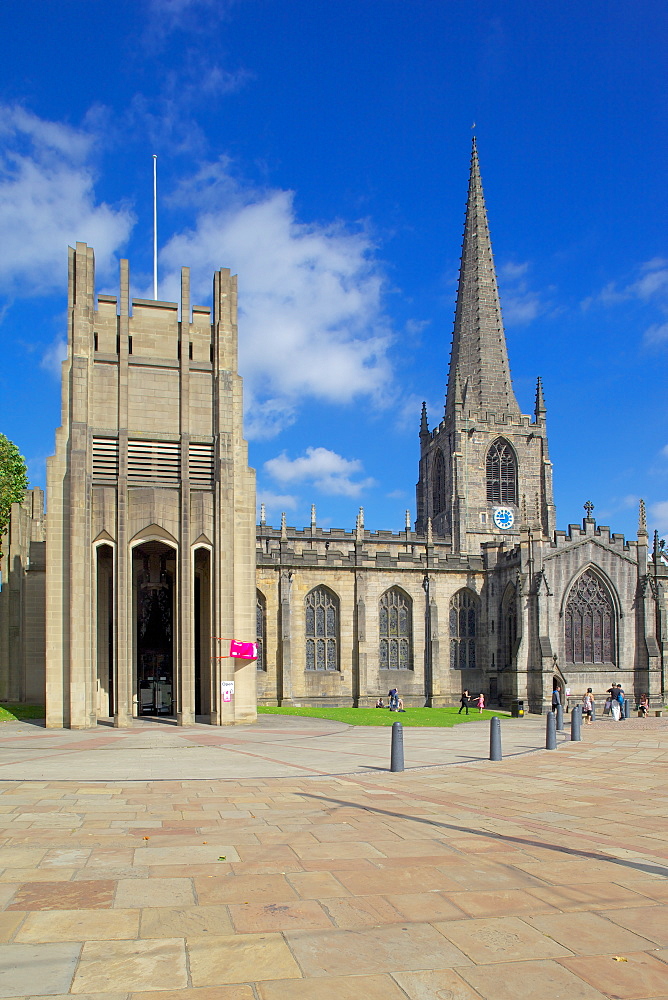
[{"x": 321, "y": 150}]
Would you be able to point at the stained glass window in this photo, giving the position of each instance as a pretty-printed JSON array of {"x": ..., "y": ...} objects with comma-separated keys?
[
  {"x": 589, "y": 628},
  {"x": 501, "y": 473},
  {"x": 463, "y": 612},
  {"x": 438, "y": 483},
  {"x": 260, "y": 630},
  {"x": 322, "y": 630},
  {"x": 395, "y": 630}
]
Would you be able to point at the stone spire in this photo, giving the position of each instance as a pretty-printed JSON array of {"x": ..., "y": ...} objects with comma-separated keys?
[{"x": 479, "y": 343}]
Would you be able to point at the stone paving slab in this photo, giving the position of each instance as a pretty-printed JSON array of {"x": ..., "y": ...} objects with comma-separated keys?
[
  {"x": 527, "y": 879},
  {"x": 277, "y": 747}
]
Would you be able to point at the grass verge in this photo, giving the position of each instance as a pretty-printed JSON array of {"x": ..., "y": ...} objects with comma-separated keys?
[
  {"x": 382, "y": 717},
  {"x": 13, "y": 712}
]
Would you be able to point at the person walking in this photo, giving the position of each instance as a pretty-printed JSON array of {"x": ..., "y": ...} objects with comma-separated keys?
[
  {"x": 481, "y": 702},
  {"x": 620, "y": 696},
  {"x": 464, "y": 703},
  {"x": 588, "y": 706},
  {"x": 556, "y": 698}
]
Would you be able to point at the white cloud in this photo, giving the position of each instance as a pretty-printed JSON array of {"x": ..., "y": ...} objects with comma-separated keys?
[
  {"x": 656, "y": 335},
  {"x": 658, "y": 514},
  {"x": 54, "y": 356},
  {"x": 276, "y": 503},
  {"x": 311, "y": 324},
  {"x": 520, "y": 303},
  {"x": 649, "y": 283},
  {"x": 328, "y": 472},
  {"x": 47, "y": 200}
]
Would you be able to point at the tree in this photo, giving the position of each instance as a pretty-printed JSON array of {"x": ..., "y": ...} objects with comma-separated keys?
[{"x": 13, "y": 482}]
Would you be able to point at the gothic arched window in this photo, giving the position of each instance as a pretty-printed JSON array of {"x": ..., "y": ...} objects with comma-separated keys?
[
  {"x": 463, "y": 622},
  {"x": 590, "y": 622},
  {"x": 509, "y": 626},
  {"x": 322, "y": 630},
  {"x": 395, "y": 630},
  {"x": 438, "y": 483},
  {"x": 260, "y": 630},
  {"x": 501, "y": 469}
]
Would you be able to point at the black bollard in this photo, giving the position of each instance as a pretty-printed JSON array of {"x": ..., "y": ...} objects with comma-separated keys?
[
  {"x": 560, "y": 718},
  {"x": 576, "y": 720},
  {"x": 551, "y": 732},
  {"x": 495, "y": 739},
  {"x": 627, "y": 711},
  {"x": 397, "y": 756},
  {"x": 593, "y": 710}
]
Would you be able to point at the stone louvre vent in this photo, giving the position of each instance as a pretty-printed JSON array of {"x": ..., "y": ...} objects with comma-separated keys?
[
  {"x": 105, "y": 459},
  {"x": 200, "y": 463},
  {"x": 154, "y": 462}
]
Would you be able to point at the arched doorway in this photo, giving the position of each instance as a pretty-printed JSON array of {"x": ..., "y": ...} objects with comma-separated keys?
[
  {"x": 202, "y": 631},
  {"x": 104, "y": 635},
  {"x": 154, "y": 573}
]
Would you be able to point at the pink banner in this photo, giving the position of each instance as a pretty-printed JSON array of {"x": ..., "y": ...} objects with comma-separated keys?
[{"x": 243, "y": 650}]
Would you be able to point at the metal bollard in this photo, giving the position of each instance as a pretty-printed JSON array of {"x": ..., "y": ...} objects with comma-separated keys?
[
  {"x": 593, "y": 710},
  {"x": 560, "y": 718},
  {"x": 576, "y": 721},
  {"x": 495, "y": 739},
  {"x": 627, "y": 711},
  {"x": 551, "y": 732},
  {"x": 397, "y": 756}
]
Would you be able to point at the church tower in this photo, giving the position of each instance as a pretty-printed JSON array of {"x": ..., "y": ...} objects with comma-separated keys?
[
  {"x": 484, "y": 470},
  {"x": 151, "y": 511}
]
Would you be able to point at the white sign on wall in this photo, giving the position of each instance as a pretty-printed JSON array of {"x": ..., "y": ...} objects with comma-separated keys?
[{"x": 227, "y": 690}]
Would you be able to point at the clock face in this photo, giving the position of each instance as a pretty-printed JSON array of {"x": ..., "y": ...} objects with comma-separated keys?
[{"x": 504, "y": 517}]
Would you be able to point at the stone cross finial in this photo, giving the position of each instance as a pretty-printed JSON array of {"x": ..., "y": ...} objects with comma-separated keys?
[
  {"x": 263, "y": 514},
  {"x": 589, "y": 508}
]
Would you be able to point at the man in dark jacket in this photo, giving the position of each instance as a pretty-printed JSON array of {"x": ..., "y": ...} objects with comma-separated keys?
[{"x": 464, "y": 702}]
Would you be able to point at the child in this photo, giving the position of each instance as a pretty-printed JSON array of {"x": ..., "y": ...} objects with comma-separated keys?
[
  {"x": 481, "y": 702},
  {"x": 588, "y": 705}
]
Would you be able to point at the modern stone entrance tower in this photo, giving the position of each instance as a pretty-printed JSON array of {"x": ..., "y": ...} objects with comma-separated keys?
[
  {"x": 151, "y": 511},
  {"x": 485, "y": 469}
]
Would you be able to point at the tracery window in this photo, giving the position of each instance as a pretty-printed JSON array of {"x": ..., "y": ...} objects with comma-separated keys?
[
  {"x": 322, "y": 630},
  {"x": 438, "y": 483},
  {"x": 590, "y": 622},
  {"x": 260, "y": 630},
  {"x": 395, "y": 630},
  {"x": 463, "y": 624},
  {"x": 509, "y": 621},
  {"x": 501, "y": 469}
]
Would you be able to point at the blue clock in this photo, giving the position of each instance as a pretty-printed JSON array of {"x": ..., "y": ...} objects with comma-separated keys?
[{"x": 504, "y": 517}]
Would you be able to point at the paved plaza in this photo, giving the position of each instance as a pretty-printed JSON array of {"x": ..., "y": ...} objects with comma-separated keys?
[
  {"x": 277, "y": 747},
  {"x": 302, "y": 869}
]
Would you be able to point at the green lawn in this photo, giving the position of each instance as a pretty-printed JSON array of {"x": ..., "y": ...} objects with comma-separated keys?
[
  {"x": 383, "y": 717},
  {"x": 11, "y": 712}
]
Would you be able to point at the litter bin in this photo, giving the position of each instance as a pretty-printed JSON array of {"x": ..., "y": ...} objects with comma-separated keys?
[{"x": 517, "y": 708}]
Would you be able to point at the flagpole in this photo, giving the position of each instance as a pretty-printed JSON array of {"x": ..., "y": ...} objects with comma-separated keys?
[{"x": 155, "y": 226}]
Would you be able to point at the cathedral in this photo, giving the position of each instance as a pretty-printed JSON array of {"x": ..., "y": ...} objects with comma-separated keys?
[{"x": 122, "y": 599}]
